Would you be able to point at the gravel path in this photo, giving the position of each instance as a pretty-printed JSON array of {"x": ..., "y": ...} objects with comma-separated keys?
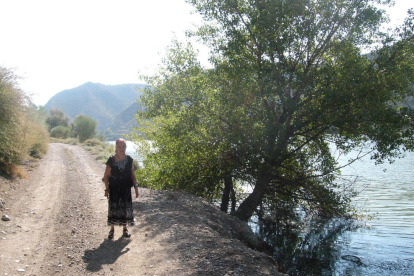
[{"x": 58, "y": 227}]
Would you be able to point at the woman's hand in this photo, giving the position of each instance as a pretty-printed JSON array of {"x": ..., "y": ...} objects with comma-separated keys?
[
  {"x": 106, "y": 192},
  {"x": 136, "y": 192}
]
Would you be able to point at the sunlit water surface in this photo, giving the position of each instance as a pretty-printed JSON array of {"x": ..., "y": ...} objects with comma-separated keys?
[{"x": 386, "y": 245}]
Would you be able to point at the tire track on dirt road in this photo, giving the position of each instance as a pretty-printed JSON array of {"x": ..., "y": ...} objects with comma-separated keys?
[
  {"x": 33, "y": 209},
  {"x": 54, "y": 221}
]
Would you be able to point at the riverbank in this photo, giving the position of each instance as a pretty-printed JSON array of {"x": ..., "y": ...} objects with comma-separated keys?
[{"x": 57, "y": 227}]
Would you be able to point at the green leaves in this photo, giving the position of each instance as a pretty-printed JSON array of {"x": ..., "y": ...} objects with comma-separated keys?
[
  {"x": 289, "y": 80},
  {"x": 22, "y": 132},
  {"x": 85, "y": 127}
]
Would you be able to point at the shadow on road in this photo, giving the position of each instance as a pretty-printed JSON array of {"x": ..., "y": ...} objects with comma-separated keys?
[{"x": 107, "y": 253}]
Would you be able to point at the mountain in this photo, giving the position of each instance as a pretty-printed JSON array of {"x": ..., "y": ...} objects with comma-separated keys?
[
  {"x": 125, "y": 122},
  {"x": 103, "y": 103}
]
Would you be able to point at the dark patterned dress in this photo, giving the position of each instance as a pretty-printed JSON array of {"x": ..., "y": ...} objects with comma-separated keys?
[{"x": 120, "y": 199}]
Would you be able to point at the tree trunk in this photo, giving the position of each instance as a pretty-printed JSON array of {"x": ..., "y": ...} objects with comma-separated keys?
[
  {"x": 249, "y": 205},
  {"x": 233, "y": 201},
  {"x": 228, "y": 187}
]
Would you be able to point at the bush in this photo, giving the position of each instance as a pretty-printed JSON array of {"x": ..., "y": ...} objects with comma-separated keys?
[
  {"x": 61, "y": 132},
  {"x": 37, "y": 138},
  {"x": 136, "y": 165},
  {"x": 93, "y": 142},
  {"x": 69, "y": 141},
  {"x": 104, "y": 155},
  {"x": 22, "y": 132},
  {"x": 100, "y": 149},
  {"x": 85, "y": 127},
  {"x": 11, "y": 112},
  {"x": 38, "y": 150}
]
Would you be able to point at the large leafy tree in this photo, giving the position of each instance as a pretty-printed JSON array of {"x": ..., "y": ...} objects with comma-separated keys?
[{"x": 289, "y": 80}]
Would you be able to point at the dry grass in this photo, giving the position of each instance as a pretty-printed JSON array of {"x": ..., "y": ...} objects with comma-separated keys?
[
  {"x": 101, "y": 150},
  {"x": 16, "y": 171}
]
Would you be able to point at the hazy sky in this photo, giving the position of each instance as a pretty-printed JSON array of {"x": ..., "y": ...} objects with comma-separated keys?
[{"x": 60, "y": 44}]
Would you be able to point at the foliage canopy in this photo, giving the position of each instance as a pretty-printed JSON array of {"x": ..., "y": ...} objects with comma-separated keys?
[{"x": 289, "y": 81}]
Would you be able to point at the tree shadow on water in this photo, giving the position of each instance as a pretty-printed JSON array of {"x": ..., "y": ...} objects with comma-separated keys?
[{"x": 107, "y": 253}]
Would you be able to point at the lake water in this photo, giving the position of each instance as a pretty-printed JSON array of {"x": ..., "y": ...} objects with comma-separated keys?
[
  {"x": 131, "y": 150},
  {"x": 385, "y": 247}
]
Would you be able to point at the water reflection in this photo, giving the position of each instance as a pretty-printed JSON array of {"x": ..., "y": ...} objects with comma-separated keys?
[
  {"x": 309, "y": 250},
  {"x": 323, "y": 248},
  {"x": 339, "y": 248}
]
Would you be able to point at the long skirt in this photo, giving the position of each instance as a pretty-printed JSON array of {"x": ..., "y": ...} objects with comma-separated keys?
[{"x": 120, "y": 210}]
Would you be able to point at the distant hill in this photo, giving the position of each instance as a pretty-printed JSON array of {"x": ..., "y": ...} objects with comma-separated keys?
[
  {"x": 124, "y": 122},
  {"x": 103, "y": 103}
]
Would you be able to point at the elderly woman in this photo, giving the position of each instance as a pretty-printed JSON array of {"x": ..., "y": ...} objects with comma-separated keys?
[{"x": 119, "y": 178}]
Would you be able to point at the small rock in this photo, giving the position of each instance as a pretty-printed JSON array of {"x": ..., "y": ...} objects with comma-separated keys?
[
  {"x": 5, "y": 218},
  {"x": 353, "y": 258},
  {"x": 21, "y": 270}
]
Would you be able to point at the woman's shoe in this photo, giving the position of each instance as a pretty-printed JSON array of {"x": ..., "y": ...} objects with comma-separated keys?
[
  {"x": 126, "y": 234},
  {"x": 111, "y": 234}
]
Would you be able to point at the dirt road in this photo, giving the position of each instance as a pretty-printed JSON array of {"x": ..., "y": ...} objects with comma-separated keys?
[{"x": 58, "y": 227}]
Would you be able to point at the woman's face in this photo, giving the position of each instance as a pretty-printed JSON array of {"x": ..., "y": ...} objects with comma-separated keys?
[{"x": 120, "y": 148}]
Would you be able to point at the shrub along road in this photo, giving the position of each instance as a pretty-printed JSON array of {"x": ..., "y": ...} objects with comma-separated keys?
[{"x": 58, "y": 227}]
